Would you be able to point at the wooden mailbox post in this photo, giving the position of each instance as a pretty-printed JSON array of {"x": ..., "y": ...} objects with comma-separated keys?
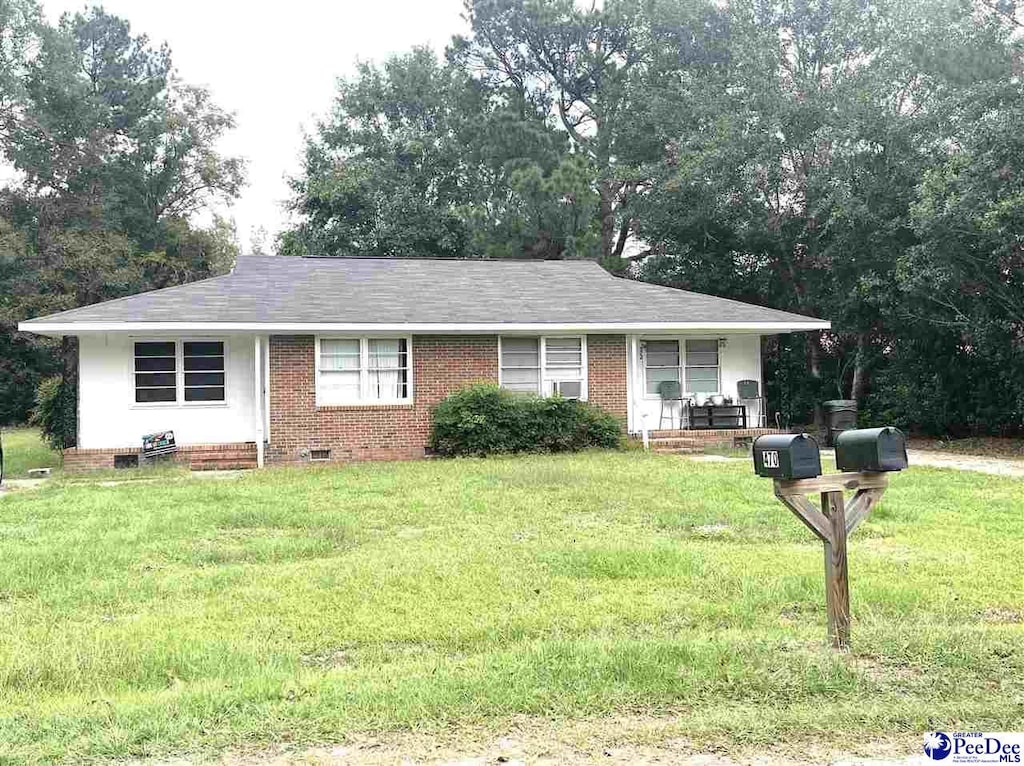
[
  {"x": 793, "y": 462},
  {"x": 832, "y": 523}
]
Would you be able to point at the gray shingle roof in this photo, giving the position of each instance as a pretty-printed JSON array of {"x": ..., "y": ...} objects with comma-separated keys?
[{"x": 389, "y": 291}]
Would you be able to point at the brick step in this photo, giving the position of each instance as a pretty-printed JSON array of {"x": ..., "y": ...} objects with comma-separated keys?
[
  {"x": 671, "y": 433},
  {"x": 677, "y": 450},
  {"x": 675, "y": 441},
  {"x": 222, "y": 466},
  {"x": 202, "y": 454},
  {"x": 223, "y": 461},
  {"x": 226, "y": 455}
]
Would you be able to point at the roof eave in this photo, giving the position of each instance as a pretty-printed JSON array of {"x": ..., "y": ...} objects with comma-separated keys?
[{"x": 459, "y": 328}]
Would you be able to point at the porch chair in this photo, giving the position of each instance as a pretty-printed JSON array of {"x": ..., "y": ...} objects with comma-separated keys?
[
  {"x": 749, "y": 390},
  {"x": 670, "y": 391}
]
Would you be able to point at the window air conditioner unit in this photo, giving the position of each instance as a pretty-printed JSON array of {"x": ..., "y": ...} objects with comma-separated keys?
[{"x": 569, "y": 389}]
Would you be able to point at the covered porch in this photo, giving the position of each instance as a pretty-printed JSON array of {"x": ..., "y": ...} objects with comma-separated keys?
[{"x": 687, "y": 390}]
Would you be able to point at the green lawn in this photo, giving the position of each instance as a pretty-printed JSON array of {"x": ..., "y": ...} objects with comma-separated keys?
[
  {"x": 24, "y": 448},
  {"x": 302, "y": 605}
]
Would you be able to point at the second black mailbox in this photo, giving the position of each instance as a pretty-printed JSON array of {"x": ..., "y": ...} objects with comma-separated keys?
[
  {"x": 871, "y": 450},
  {"x": 786, "y": 456}
]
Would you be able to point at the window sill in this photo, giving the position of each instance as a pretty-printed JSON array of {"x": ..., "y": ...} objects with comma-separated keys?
[
  {"x": 179, "y": 405},
  {"x": 365, "y": 406},
  {"x": 655, "y": 398}
]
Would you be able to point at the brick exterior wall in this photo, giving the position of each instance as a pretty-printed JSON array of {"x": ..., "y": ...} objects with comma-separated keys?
[
  {"x": 441, "y": 364},
  {"x": 606, "y": 374},
  {"x": 79, "y": 460}
]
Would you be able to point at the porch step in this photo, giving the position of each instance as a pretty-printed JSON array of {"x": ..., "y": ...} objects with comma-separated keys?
[
  {"x": 671, "y": 433},
  {"x": 669, "y": 442},
  {"x": 222, "y": 465},
  {"x": 677, "y": 450},
  {"x": 230, "y": 460}
]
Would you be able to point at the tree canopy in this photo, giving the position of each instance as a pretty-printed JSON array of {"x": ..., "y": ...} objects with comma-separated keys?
[
  {"x": 418, "y": 158},
  {"x": 113, "y": 155},
  {"x": 857, "y": 160}
]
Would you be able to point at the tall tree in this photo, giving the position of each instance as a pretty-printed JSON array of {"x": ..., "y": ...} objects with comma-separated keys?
[
  {"x": 114, "y": 155},
  {"x": 533, "y": 138},
  {"x": 797, "y": 187},
  {"x": 601, "y": 71},
  {"x": 420, "y": 159}
]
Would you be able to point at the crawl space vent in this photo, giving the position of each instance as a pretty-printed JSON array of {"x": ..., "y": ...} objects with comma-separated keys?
[{"x": 126, "y": 461}]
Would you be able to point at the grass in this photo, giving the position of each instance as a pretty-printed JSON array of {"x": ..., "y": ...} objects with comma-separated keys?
[
  {"x": 726, "y": 450},
  {"x": 24, "y": 448},
  {"x": 305, "y": 605}
]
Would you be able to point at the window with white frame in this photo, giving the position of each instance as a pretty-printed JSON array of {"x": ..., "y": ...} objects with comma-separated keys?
[
  {"x": 545, "y": 365},
  {"x": 693, "y": 364},
  {"x": 340, "y": 378},
  {"x": 563, "y": 367},
  {"x": 702, "y": 366},
  {"x": 156, "y": 372},
  {"x": 661, "y": 364},
  {"x": 203, "y": 365},
  {"x": 387, "y": 368},
  {"x": 169, "y": 371},
  {"x": 520, "y": 365},
  {"x": 362, "y": 370}
]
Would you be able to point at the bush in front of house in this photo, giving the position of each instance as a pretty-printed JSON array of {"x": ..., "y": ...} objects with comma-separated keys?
[
  {"x": 55, "y": 412},
  {"x": 486, "y": 420}
]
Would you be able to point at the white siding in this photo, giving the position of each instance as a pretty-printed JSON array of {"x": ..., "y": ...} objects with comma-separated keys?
[
  {"x": 109, "y": 416},
  {"x": 740, "y": 360}
]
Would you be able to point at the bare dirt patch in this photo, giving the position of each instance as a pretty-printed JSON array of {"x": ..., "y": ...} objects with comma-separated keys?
[
  {"x": 14, "y": 485},
  {"x": 643, "y": 740},
  {"x": 982, "y": 464},
  {"x": 1002, "y": 616}
]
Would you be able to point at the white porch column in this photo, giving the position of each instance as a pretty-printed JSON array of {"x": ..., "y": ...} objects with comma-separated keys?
[
  {"x": 258, "y": 396},
  {"x": 637, "y": 420},
  {"x": 267, "y": 435}
]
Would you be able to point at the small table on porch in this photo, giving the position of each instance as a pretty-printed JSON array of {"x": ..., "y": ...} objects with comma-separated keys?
[{"x": 709, "y": 417}]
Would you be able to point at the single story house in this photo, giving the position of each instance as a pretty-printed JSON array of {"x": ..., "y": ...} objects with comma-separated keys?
[{"x": 290, "y": 359}]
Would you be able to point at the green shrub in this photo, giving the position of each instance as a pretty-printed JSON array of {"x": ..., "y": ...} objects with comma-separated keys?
[
  {"x": 55, "y": 412},
  {"x": 486, "y": 420}
]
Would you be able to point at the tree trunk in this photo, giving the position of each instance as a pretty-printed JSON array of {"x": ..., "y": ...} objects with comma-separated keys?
[
  {"x": 606, "y": 210},
  {"x": 814, "y": 366},
  {"x": 814, "y": 355},
  {"x": 623, "y": 235},
  {"x": 860, "y": 368}
]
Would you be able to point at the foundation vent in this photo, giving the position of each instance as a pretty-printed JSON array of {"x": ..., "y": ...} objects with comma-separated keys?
[{"x": 126, "y": 461}]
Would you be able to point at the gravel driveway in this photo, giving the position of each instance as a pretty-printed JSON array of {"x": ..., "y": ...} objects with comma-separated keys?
[{"x": 994, "y": 465}]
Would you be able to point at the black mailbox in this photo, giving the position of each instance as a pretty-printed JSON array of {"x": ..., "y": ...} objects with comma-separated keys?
[
  {"x": 786, "y": 456},
  {"x": 872, "y": 450}
]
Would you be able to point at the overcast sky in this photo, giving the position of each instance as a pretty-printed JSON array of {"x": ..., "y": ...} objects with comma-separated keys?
[{"x": 274, "y": 65}]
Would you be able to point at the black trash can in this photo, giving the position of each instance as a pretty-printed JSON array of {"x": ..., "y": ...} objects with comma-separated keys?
[{"x": 840, "y": 415}]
